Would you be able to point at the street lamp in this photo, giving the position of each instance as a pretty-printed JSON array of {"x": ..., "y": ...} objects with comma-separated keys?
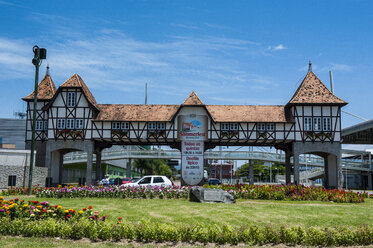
[{"x": 39, "y": 55}]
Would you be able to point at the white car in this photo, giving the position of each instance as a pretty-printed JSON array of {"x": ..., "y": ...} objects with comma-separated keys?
[{"x": 151, "y": 181}]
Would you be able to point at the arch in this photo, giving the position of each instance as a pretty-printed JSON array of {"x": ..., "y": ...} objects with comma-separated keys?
[
  {"x": 331, "y": 152},
  {"x": 54, "y": 158}
]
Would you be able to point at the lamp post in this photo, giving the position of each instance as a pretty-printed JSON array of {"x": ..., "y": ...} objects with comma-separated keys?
[{"x": 39, "y": 55}]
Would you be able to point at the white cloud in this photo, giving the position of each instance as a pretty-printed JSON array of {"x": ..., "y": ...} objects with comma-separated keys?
[
  {"x": 277, "y": 48},
  {"x": 328, "y": 67},
  {"x": 341, "y": 67},
  {"x": 110, "y": 60}
]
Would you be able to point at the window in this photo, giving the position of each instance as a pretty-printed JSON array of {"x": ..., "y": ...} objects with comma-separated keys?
[
  {"x": 270, "y": 127},
  {"x": 79, "y": 124},
  {"x": 161, "y": 126},
  {"x": 125, "y": 126},
  {"x": 146, "y": 180},
  {"x": 39, "y": 125},
  {"x": 234, "y": 126},
  {"x": 60, "y": 123},
  {"x": 317, "y": 124},
  {"x": 327, "y": 125},
  {"x": 70, "y": 124},
  {"x": 158, "y": 180},
  {"x": 115, "y": 125},
  {"x": 224, "y": 126},
  {"x": 71, "y": 99},
  {"x": 229, "y": 126},
  {"x": 307, "y": 123},
  {"x": 152, "y": 125},
  {"x": 261, "y": 127},
  {"x": 45, "y": 125}
]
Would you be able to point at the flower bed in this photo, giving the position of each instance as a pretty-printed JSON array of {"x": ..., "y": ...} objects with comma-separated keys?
[
  {"x": 173, "y": 192},
  {"x": 292, "y": 192},
  {"x": 265, "y": 192},
  {"x": 35, "y": 210}
]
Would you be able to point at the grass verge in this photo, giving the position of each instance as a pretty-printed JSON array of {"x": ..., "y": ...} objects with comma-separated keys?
[{"x": 261, "y": 212}]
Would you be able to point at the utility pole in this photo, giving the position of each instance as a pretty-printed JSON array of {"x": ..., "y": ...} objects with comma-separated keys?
[
  {"x": 39, "y": 55},
  {"x": 221, "y": 162}
]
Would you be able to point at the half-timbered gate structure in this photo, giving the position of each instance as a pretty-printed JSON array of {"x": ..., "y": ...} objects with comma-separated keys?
[{"x": 70, "y": 119}]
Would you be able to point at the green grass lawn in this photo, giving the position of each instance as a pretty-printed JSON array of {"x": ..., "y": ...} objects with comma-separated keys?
[{"x": 243, "y": 212}]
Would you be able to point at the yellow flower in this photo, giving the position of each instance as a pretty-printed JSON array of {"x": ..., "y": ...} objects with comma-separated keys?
[
  {"x": 66, "y": 211},
  {"x": 1, "y": 197},
  {"x": 59, "y": 207},
  {"x": 80, "y": 212},
  {"x": 39, "y": 207},
  {"x": 25, "y": 206}
]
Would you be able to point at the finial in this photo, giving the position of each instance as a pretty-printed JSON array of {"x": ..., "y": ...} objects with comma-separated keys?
[
  {"x": 309, "y": 66},
  {"x": 47, "y": 72}
]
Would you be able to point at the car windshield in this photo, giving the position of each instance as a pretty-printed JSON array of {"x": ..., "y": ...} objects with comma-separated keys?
[
  {"x": 145, "y": 180},
  {"x": 126, "y": 179},
  {"x": 111, "y": 179}
]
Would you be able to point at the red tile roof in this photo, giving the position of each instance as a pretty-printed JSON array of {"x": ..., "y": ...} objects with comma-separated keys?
[
  {"x": 221, "y": 113},
  {"x": 313, "y": 91},
  {"x": 130, "y": 112},
  {"x": 193, "y": 99},
  {"x": 46, "y": 89},
  {"x": 249, "y": 113}
]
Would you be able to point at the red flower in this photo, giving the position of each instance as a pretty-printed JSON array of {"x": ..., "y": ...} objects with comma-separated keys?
[{"x": 90, "y": 207}]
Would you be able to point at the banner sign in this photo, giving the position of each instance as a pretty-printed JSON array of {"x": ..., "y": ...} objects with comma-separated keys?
[
  {"x": 192, "y": 161},
  {"x": 192, "y": 127}
]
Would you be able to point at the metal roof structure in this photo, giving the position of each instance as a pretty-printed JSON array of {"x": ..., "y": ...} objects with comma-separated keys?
[{"x": 361, "y": 133}]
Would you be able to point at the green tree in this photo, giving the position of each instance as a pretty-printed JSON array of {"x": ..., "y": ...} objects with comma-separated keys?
[
  {"x": 259, "y": 167},
  {"x": 143, "y": 165},
  {"x": 152, "y": 167},
  {"x": 164, "y": 170},
  {"x": 244, "y": 170}
]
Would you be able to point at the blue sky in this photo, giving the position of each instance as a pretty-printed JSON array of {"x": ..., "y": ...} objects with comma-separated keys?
[{"x": 229, "y": 52}]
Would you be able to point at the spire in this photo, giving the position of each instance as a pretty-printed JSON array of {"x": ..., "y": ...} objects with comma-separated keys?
[
  {"x": 47, "y": 71},
  {"x": 46, "y": 91},
  {"x": 309, "y": 66},
  {"x": 313, "y": 91}
]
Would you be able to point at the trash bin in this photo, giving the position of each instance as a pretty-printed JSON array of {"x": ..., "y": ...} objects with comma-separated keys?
[
  {"x": 81, "y": 180},
  {"x": 12, "y": 181},
  {"x": 48, "y": 182}
]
